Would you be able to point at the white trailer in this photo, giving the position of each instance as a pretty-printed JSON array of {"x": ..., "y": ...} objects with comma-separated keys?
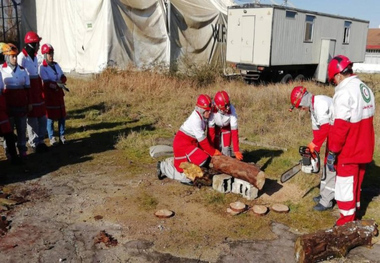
[{"x": 279, "y": 43}]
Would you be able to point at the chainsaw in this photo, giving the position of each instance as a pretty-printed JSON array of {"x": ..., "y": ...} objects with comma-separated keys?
[{"x": 309, "y": 163}]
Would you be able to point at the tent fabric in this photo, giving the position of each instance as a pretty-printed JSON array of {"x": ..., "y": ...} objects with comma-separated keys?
[{"x": 91, "y": 35}]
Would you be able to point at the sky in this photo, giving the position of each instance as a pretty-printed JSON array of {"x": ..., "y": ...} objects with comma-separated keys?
[{"x": 362, "y": 9}]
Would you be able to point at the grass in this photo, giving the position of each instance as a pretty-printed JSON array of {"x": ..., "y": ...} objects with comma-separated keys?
[{"x": 138, "y": 108}]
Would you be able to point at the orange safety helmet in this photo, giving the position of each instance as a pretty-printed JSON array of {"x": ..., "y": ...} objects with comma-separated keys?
[
  {"x": 204, "y": 102},
  {"x": 46, "y": 49},
  {"x": 9, "y": 49},
  {"x": 296, "y": 96},
  {"x": 222, "y": 101},
  {"x": 31, "y": 37},
  {"x": 337, "y": 65}
]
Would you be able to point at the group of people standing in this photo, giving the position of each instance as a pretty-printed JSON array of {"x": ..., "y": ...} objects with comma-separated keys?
[
  {"x": 344, "y": 122},
  {"x": 31, "y": 98}
]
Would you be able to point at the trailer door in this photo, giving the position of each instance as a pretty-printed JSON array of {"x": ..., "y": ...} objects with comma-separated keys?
[
  {"x": 327, "y": 53},
  {"x": 247, "y": 37}
]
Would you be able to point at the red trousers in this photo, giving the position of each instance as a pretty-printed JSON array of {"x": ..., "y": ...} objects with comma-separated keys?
[{"x": 349, "y": 178}]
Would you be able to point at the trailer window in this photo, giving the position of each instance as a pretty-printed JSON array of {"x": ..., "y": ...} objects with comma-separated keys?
[
  {"x": 309, "y": 28},
  {"x": 346, "y": 37},
  {"x": 291, "y": 14}
]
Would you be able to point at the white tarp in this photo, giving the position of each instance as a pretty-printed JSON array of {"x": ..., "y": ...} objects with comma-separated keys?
[{"x": 90, "y": 35}]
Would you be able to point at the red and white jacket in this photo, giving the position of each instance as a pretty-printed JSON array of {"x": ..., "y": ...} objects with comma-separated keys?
[
  {"x": 54, "y": 95},
  {"x": 228, "y": 120},
  {"x": 16, "y": 90},
  {"x": 195, "y": 128},
  {"x": 36, "y": 95},
  {"x": 321, "y": 117},
  {"x": 352, "y": 135}
]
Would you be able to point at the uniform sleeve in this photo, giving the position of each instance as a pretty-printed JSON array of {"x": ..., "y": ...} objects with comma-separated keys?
[
  {"x": 320, "y": 136},
  {"x": 339, "y": 130},
  {"x": 211, "y": 129}
]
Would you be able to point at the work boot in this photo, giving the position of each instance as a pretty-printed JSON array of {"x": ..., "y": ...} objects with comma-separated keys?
[
  {"x": 316, "y": 199},
  {"x": 62, "y": 140},
  {"x": 319, "y": 207},
  {"x": 53, "y": 142},
  {"x": 160, "y": 175}
]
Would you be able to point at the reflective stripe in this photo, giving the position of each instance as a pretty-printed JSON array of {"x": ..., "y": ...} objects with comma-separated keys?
[
  {"x": 348, "y": 212},
  {"x": 344, "y": 188},
  {"x": 193, "y": 151},
  {"x": 330, "y": 188},
  {"x": 4, "y": 121},
  {"x": 38, "y": 104},
  {"x": 192, "y": 136},
  {"x": 180, "y": 158}
]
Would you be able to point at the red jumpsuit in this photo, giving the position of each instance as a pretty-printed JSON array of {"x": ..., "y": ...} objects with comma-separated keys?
[{"x": 352, "y": 138}]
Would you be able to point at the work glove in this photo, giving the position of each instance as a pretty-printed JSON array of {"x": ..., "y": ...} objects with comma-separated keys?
[
  {"x": 217, "y": 153},
  {"x": 238, "y": 156},
  {"x": 311, "y": 146},
  {"x": 330, "y": 161}
]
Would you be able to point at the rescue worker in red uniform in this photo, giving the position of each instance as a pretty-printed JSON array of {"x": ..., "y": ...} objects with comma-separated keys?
[
  {"x": 223, "y": 126},
  {"x": 17, "y": 95},
  {"x": 36, "y": 121},
  {"x": 190, "y": 143},
  {"x": 52, "y": 76},
  {"x": 320, "y": 108},
  {"x": 352, "y": 136},
  {"x": 6, "y": 129}
]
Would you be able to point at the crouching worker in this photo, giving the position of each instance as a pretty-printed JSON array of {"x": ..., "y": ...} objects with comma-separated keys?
[
  {"x": 190, "y": 144},
  {"x": 223, "y": 126}
]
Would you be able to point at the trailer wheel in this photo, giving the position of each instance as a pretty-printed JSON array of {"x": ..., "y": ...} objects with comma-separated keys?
[
  {"x": 286, "y": 79},
  {"x": 300, "y": 78}
]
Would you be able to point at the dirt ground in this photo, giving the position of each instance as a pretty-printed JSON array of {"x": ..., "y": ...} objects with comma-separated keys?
[{"x": 81, "y": 202}]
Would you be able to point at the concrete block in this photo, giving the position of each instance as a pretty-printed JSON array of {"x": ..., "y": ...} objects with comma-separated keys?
[
  {"x": 244, "y": 188},
  {"x": 222, "y": 183}
]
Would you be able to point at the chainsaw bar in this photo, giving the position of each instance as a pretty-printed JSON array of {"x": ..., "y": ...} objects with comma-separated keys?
[{"x": 290, "y": 173}]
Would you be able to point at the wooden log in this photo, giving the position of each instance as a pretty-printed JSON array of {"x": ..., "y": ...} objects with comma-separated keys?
[
  {"x": 238, "y": 169},
  {"x": 334, "y": 242}
]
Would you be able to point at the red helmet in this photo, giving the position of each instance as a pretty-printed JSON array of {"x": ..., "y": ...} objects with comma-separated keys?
[
  {"x": 31, "y": 37},
  {"x": 204, "y": 102},
  {"x": 296, "y": 96},
  {"x": 222, "y": 100},
  {"x": 46, "y": 49},
  {"x": 337, "y": 65}
]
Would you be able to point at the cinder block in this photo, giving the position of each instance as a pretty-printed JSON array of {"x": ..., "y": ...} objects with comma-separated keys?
[
  {"x": 244, "y": 188},
  {"x": 222, "y": 183}
]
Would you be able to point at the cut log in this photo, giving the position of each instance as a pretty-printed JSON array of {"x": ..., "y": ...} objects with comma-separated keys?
[
  {"x": 164, "y": 213},
  {"x": 280, "y": 208},
  {"x": 232, "y": 212},
  {"x": 238, "y": 169},
  {"x": 259, "y": 210},
  {"x": 334, "y": 242},
  {"x": 238, "y": 206}
]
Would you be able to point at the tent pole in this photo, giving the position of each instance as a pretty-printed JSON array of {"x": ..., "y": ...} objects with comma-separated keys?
[{"x": 17, "y": 24}]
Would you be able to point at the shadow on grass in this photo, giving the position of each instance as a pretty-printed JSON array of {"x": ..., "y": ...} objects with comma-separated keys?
[
  {"x": 76, "y": 151},
  {"x": 370, "y": 187},
  {"x": 257, "y": 155}
]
